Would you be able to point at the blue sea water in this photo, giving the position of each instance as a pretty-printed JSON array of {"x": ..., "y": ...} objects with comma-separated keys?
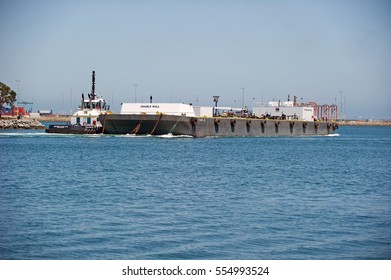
[{"x": 124, "y": 197}]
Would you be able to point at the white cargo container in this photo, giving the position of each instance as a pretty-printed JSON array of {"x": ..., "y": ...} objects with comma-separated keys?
[
  {"x": 175, "y": 109},
  {"x": 203, "y": 111}
]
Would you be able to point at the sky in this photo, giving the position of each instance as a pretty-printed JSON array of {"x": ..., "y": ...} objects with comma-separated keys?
[{"x": 326, "y": 51}]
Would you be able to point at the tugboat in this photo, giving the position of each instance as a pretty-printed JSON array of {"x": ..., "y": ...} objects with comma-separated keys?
[{"x": 86, "y": 119}]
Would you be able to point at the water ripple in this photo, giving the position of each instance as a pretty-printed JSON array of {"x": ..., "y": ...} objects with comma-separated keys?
[{"x": 127, "y": 197}]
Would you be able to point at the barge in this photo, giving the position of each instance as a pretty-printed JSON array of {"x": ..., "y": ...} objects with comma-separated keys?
[{"x": 289, "y": 119}]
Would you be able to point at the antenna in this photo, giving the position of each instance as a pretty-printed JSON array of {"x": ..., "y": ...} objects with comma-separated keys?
[{"x": 242, "y": 97}]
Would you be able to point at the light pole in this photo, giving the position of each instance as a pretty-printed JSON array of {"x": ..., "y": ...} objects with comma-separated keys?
[
  {"x": 242, "y": 97},
  {"x": 135, "y": 92},
  {"x": 70, "y": 101},
  {"x": 340, "y": 110},
  {"x": 17, "y": 86},
  {"x": 112, "y": 101},
  {"x": 344, "y": 107},
  {"x": 17, "y": 97},
  {"x": 216, "y": 99}
]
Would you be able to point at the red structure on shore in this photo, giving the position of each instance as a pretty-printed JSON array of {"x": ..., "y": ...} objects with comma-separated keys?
[
  {"x": 14, "y": 111},
  {"x": 324, "y": 112}
]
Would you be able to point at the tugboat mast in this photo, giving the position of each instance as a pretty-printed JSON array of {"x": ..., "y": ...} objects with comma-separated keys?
[{"x": 93, "y": 86}]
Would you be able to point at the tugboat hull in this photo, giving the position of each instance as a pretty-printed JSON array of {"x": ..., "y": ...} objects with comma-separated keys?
[{"x": 73, "y": 129}]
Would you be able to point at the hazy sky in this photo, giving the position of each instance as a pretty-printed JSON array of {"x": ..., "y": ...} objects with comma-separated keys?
[{"x": 188, "y": 51}]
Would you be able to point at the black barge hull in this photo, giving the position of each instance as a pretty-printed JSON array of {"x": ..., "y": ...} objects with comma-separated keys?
[{"x": 206, "y": 127}]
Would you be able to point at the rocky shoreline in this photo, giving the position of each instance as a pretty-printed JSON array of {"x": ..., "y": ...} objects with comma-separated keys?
[
  {"x": 25, "y": 123},
  {"x": 30, "y": 122},
  {"x": 364, "y": 123}
]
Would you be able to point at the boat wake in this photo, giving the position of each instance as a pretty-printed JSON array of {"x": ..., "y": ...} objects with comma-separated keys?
[
  {"x": 31, "y": 134},
  {"x": 170, "y": 135},
  {"x": 22, "y": 134},
  {"x": 44, "y": 134},
  {"x": 166, "y": 136}
]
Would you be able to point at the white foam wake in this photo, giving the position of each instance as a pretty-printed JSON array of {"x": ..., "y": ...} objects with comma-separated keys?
[{"x": 170, "y": 135}]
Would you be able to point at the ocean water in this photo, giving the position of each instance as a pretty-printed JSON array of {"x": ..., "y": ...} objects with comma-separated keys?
[{"x": 126, "y": 197}]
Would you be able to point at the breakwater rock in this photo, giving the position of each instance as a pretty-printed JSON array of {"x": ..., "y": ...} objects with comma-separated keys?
[
  {"x": 20, "y": 124},
  {"x": 55, "y": 118},
  {"x": 365, "y": 123}
]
